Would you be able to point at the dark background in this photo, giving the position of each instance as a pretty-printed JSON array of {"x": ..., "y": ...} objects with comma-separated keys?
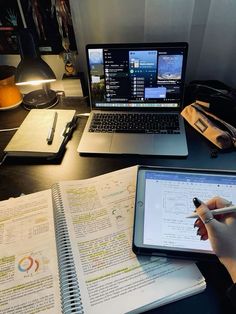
[{"x": 48, "y": 40}]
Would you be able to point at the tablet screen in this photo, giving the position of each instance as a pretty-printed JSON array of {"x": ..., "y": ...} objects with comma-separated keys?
[{"x": 166, "y": 198}]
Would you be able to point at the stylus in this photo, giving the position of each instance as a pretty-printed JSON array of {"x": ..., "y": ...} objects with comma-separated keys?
[{"x": 218, "y": 211}]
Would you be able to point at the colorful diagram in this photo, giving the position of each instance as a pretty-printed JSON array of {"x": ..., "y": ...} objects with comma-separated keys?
[
  {"x": 28, "y": 263},
  {"x": 32, "y": 263}
]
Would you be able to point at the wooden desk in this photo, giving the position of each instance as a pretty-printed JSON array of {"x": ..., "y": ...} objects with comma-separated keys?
[{"x": 24, "y": 176}]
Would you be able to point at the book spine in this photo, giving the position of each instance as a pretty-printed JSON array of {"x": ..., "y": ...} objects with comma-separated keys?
[{"x": 69, "y": 286}]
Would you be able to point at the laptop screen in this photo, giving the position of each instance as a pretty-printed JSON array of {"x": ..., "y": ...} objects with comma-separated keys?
[{"x": 136, "y": 75}]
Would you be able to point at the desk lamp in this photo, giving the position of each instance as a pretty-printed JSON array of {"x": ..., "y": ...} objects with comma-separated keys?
[{"x": 34, "y": 71}]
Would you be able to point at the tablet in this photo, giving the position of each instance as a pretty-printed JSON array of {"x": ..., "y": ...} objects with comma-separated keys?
[{"x": 164, "y": 200}]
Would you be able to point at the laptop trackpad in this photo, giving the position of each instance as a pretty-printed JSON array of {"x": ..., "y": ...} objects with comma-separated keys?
[{"x": 132, "y": 143}]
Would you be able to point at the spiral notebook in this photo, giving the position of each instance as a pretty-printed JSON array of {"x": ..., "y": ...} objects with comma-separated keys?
[{"x": 68, "y": 250}]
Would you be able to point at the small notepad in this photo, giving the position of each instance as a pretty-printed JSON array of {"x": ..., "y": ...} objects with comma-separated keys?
[{"x": 31, "y": 137}]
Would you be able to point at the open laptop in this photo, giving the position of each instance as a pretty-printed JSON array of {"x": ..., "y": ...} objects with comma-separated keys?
[{"x": 136, "y": 95}]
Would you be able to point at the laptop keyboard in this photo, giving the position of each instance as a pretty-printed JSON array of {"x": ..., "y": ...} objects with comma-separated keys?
[{"x": 135, "y": 123}]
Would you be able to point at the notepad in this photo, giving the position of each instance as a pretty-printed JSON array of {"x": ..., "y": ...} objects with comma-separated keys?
[
  {"x": 31, "y": 137},
  {"x": 69, "y": 250}
]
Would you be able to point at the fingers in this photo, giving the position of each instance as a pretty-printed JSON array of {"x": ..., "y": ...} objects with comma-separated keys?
[
  {"x": 205, "y": 215},
  {"x": 218, "y": 202},
  {"x": 203, "y": 211},
  {"x": 215, "y": 202},
  {"x": 201, "y": 229},
  {"x": 207, "y": 226}
]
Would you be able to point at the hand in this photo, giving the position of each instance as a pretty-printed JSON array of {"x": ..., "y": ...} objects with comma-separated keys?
[{"x": 221, "y": 231}]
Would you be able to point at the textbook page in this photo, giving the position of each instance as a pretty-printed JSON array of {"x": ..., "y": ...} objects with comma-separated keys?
[
  {"x": 99, "y": 215},
  {"x": 28, "y": 260}
]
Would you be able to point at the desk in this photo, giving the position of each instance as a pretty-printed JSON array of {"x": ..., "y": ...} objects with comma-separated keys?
[{"x": 28, "y": 177}]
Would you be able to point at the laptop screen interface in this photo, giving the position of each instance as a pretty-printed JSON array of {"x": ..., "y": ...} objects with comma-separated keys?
[{"x": 138, "y": 77}]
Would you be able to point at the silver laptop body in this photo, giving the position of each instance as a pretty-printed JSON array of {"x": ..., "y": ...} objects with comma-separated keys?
[{"x": 135, "y": 79}]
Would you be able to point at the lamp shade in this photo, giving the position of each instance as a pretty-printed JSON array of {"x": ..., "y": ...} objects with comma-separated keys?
[{"x": 31, "y": 69}]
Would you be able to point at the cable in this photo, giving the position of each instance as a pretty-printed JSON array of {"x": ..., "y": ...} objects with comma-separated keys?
[
  {"x": 80, "y": 115},
  {"x": 3, "y": 159},
  {"x": 9, "y": 130}
]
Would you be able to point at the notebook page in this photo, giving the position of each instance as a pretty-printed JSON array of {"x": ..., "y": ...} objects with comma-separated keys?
[{"x": 28, "y": 261}]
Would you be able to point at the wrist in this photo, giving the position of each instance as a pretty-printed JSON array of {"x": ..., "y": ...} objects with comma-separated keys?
[
  {"x": 233, "y": 275},
  {"x": 231, "y": 268}
]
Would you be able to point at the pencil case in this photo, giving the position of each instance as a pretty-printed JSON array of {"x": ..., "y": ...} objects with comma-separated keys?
[{"x": 216, "y": 130}]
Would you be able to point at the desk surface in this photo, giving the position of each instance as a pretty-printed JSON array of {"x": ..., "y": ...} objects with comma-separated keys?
[{"x": 24, "y": 176}]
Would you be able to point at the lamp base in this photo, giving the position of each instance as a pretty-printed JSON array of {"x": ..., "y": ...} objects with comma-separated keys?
[{"x": 40, "y": 99}]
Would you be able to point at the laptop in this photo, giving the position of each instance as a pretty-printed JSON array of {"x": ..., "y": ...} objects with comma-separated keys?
[{"x": 136, "y": 96}]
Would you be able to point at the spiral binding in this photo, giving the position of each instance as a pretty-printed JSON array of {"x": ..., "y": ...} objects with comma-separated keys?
[{"x": 69, "y": 286}]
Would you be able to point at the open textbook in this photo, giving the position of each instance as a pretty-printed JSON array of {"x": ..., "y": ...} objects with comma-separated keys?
[{"x": 68, "y": 250}]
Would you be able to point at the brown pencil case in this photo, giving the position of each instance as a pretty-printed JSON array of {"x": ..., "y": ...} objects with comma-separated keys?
[{"x": 216, "y": 130}]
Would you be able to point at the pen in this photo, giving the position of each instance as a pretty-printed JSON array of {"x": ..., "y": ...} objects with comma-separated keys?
[
  {"x": 52, "y": 129},
  {"x": 218, "y": 211}
]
